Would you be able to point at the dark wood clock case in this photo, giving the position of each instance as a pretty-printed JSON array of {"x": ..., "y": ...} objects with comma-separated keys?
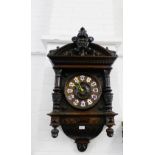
[{"x": 82, "y": 57}]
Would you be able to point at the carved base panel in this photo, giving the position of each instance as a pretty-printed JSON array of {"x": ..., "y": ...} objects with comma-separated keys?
[{"x": 82, "y": 129}]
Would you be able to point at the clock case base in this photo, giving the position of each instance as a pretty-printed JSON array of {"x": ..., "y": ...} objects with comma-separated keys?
[
  {"x": 92, "y": 123},
  {"x": 82, "y": 56}
]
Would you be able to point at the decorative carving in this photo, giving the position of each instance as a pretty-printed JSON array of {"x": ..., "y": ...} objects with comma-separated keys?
[
  {"x": 82, "y": 46},
  {"x": 54, "y": 123},
  {"x": 82, "y": 144},
  {"x": 54, "y": 132},
  {"x": 110, "y": 132},
  {"x": 82, "y": 40},
  {"x": 81, "y": 120},
  {"x": 110, "y": 123}
]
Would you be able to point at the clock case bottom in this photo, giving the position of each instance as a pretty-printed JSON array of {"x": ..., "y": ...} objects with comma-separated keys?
[
  {"x": 83, "y": 136},
  {"x": 82, "y": 128}
]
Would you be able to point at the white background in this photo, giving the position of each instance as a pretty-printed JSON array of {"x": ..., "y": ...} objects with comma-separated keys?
[
  {"x": 138, "y": 77},
  {"x": 62, "y": 20}
]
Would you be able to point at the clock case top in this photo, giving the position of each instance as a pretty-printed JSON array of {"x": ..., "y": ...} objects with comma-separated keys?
[
  {"x": 82, "y": 57},
  {"x": 82, "y": 53}
]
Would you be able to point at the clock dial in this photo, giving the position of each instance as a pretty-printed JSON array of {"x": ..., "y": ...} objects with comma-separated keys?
[{"x": 82, "y": 91}]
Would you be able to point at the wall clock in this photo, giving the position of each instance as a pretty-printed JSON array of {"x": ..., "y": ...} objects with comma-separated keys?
[{"x": 82, "y": 96}]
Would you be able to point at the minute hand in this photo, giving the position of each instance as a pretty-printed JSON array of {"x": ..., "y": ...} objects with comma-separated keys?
[{"x": 80, "y": 88}]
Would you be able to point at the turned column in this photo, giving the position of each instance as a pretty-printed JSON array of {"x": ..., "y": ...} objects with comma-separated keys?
[
  {"x": 108, "y": 97},
  {"x": 57, "y": 97}
]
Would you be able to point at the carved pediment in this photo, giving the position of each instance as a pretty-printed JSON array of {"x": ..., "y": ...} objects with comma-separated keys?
[
  {"x": 82, "y": 46},
  {"x": 82, "y": 51}
]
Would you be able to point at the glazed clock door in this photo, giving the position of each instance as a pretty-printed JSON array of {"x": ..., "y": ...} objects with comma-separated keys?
[{"x": 82, "y": 91}]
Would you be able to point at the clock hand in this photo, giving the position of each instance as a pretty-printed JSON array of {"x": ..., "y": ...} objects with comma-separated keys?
[{"x": 80, "y": 88}]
